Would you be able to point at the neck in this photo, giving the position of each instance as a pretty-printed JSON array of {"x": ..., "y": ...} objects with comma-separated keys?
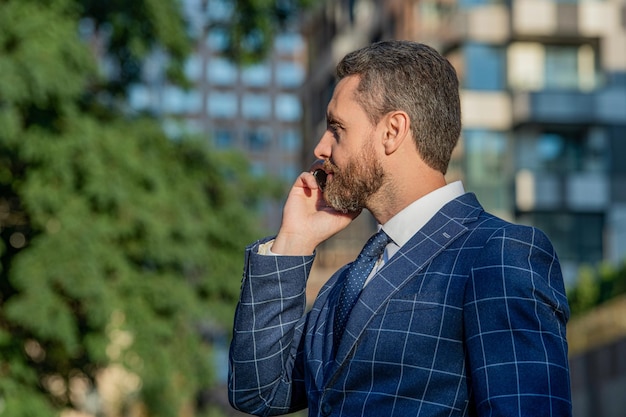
[{"x": 404, "y": 184}]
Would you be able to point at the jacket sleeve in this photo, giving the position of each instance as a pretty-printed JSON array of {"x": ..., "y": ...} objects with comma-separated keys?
[
  {"x": 515, "y": 320},
  {"x": 265, "y": 369}
]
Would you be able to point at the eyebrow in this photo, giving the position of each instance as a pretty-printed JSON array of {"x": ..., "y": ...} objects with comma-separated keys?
[{"x": 332, "y": 120}]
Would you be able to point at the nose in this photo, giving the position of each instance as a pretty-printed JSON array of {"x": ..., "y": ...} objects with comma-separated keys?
[{"x": 323, "y": 148}]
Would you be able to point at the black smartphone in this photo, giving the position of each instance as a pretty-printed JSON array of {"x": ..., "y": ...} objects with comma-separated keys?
[{"x": 320, "y": 177}]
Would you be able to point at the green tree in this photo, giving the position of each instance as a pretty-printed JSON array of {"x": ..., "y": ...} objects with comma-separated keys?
[
  {"x": 118, "y": 246},
  {"x": 250, "y": 25},
  {"x": 594, "y": 286},
  {"x": 585, "y": 295}
]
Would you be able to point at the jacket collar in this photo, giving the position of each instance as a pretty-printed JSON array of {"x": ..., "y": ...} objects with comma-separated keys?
[{"x": 443, "y": 229}]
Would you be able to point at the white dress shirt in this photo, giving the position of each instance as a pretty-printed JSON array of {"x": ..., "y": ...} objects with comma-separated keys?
[{"x": 401, "y": 227}]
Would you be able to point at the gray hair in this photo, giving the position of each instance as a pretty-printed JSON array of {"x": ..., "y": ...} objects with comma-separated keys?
[{"x": 412, "y": 77}]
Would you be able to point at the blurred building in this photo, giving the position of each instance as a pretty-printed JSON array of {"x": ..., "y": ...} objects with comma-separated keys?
[
  {"x": 597, "y": 349},
  {"x": 254, "y": 108},
  {"x": 543, "y": 97}
]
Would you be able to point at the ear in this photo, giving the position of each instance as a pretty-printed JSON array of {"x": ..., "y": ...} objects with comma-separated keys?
[{"x": 397, "y": 129}]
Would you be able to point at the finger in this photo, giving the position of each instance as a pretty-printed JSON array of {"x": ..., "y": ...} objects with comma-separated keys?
[{"x": 309, "y": 181}]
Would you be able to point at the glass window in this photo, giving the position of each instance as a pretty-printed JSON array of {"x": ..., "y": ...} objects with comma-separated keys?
[
  {"x": 178, "y": 101},
  {"x": 288, "y": 43},
  {"x": 432, "y": 15},
  {"x": 173, "y": 128},
  {"x": 193, "y": 101},
  {"x": 173, "y": 100},
  {"x": 258, "y": 75},
  {"x": 217, "y": 39},
  {"x": 258, "y": 139},
  {"x": 256, "y": 106},
  {"x": 561, "y": 67},
  {"x": 291, "y": 140},
  {"x": 219, "y": 10},
  {"x": 488, "y": 172},
  {"x": 534, "y": 66},
  {"x": 484, "y": 67},
  {"x": 153, "y": 69},
  {"x": 289, "y": 74},
  {"x": 550, "y": 151},
  {"x": 466, "y": 4},
  {"x": 86, "y": 29},
  {"x": 223, "y": 138},
  {"x": 596, "y": 151},
  {"x": 193, "y": 68},
  {"x": 221, "y": 72},
  {"x": 258, "y": 168},
  {"x": 222, "y": 104},
  {"x": 289, "y": 172},
  {"x": 140, "y": 97},
  {"x": 563, "y": 151},
  {"x": 288, "y": 107},
  {"x": 192, "y": 11},
  {"x": 486, "y": 151}
]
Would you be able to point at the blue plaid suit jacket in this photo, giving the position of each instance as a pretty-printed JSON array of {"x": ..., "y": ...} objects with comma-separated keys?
[{"x": 467, "y": 319}]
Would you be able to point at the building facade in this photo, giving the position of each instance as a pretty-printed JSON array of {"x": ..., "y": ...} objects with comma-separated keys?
[
  {"x": 544, "y": 100},
  {"x": 252, "y": 108}
]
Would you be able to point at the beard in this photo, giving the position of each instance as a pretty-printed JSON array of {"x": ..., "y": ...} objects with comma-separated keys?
[{"x": 351, "y": 186}]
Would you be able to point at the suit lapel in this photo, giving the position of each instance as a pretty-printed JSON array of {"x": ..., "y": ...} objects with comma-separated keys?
[{"x": 443, "y": 229}]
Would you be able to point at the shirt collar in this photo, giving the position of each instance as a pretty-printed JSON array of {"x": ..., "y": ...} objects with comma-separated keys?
[{"x": 411, "y": 219}]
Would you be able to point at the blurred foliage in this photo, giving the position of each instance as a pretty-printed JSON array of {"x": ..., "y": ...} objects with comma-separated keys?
[
  {"x": 119, "y": 248},
  {"x": 595, "y": 286},
  {"x": 131, "y": 31},
  {"x": 250, "y": 24}
]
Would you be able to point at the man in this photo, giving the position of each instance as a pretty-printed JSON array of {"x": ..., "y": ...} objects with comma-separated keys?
[{"x": 464, "y": 314}]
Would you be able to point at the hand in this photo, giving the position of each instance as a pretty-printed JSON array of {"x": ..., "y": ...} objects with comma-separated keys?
[{"x": 307, "y": 220}]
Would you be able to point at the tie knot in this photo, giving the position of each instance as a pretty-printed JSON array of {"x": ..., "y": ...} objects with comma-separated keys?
[{"x": 375, "y": 246}]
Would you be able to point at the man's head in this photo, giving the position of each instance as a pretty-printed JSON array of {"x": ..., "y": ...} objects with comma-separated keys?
[{"x": 416, "y": 79}]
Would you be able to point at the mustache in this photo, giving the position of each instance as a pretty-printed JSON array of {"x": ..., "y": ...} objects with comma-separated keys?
[{"x": 329, "y": 166}]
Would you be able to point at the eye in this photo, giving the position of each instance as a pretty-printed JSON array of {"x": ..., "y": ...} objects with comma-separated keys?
[{"x": 333, "y": 129}]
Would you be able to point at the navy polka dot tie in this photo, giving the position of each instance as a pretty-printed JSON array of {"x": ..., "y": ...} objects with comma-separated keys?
[{"x": 353, "y": 284}]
